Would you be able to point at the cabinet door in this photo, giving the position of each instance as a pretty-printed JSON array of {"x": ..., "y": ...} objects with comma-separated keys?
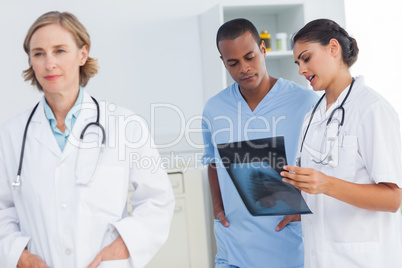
[{"x": 175, "y": 252}]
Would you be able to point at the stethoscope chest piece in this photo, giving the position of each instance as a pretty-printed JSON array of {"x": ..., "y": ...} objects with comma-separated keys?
[{"x": 17, "y": 183}]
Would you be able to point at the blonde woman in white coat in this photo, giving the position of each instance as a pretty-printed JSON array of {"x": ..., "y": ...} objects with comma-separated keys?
[
  {"x": 68, "y": 207},
  {"x": 350, "y": 170}
]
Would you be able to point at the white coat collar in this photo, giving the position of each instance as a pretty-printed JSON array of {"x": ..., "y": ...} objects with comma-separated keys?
[
  {"x": 42, "y": 131},
  {"x": 322, "y": 113},
  {"x": 87, "y": 114}
]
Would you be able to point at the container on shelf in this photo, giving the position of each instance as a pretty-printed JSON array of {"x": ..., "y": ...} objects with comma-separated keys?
[
  {"x": 281, "y": 41},
  {"x": 266, "y": 37}
]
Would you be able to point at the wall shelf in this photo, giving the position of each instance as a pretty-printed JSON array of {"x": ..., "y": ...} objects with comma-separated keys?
[
  {"x": 276, "y": 18},
  {"x": 279, "y": 54}
]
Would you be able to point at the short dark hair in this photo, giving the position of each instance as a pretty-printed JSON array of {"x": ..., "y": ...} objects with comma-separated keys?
[
  {"x": 234, "y": 28},
  {"x": 322, "y": 31}
]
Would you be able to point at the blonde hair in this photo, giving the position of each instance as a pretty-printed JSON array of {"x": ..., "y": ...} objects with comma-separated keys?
[{"x": 80, "y": 35}]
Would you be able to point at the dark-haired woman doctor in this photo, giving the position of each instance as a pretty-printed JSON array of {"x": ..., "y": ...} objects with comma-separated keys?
[{"x": 350, "y": 170}]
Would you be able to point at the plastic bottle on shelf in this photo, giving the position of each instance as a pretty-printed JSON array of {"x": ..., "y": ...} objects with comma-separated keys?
[
  {"x": 281, "y": 41},
  {"x": 266, "y": 37}
]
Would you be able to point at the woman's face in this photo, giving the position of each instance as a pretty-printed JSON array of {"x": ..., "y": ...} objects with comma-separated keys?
[
  {"x": 316, "y": 63},
  {"x": 56, "y": 59}
]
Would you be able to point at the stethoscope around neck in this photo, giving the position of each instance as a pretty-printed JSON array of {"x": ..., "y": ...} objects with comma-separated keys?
[
  {"x": 17, "y": 182},
  {"x": 340, "y": 108}
]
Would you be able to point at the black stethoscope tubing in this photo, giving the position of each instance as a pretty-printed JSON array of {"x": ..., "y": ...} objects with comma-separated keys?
[
  {"x": 96, "y": 123},
  {"x": 17, "y": 182},
  {"x": 340, "y": 107}
]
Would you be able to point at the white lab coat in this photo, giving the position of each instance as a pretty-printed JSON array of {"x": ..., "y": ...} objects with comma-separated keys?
[
  {"x": 368, "y": 151},
  {"x": 65, "y": 223}
]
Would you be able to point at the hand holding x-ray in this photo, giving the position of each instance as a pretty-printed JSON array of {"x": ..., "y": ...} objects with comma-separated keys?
[{"x": 254, "y": 168}]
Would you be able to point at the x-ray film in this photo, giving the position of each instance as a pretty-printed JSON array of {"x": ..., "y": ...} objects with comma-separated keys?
[{"x": 254, "y": 167}]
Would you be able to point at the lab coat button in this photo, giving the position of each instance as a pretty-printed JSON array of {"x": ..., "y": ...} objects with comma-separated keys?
[
  {"x": 64, "y": 206},
  {"x": 68, "y": 251}
]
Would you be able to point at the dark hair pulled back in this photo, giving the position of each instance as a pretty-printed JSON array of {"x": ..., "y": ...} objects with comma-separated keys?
[{"x": 322, "y": 31}]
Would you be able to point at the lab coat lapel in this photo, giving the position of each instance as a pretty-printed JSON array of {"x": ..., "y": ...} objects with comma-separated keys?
[
  {"x": 87, "y": 115},
  {"x": 319, "y": 114},
  {"x": 40, "y": 127}
]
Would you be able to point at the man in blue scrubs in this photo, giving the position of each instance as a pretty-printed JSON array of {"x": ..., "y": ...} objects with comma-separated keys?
[{"x": 256, "y": 106}]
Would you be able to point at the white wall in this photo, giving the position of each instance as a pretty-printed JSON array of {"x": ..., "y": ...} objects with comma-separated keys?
[
  {"x": 149, "y": 53},
  {"x": 377, "y": 31}
]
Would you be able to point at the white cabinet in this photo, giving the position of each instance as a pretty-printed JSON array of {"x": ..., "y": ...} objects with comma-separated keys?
[
  {"x": 190, "y": 239},
  {"x": 272, "y": 17},
  {"x": 176, "y": 251}
]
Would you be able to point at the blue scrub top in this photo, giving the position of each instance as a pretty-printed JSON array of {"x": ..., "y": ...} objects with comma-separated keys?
[{"x": 251, "y": 241}]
